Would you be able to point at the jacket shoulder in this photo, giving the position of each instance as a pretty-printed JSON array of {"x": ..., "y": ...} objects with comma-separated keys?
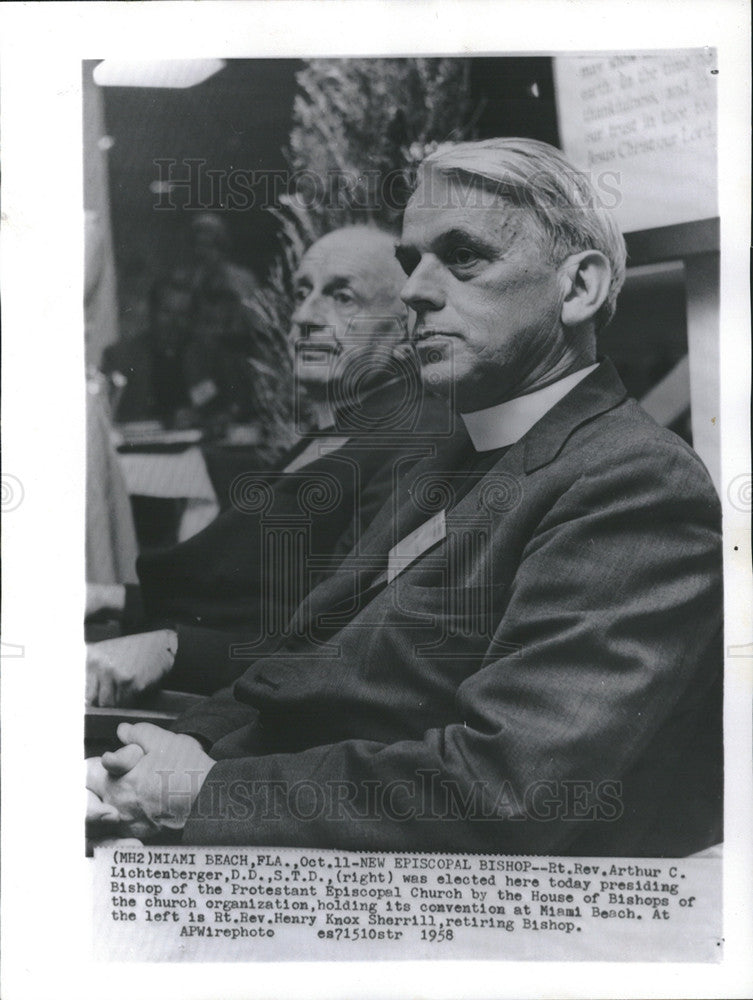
[{"x": 628, "y": 438}]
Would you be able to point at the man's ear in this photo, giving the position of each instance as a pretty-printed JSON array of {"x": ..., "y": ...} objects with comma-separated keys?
[{"x": 586, "y": 278}]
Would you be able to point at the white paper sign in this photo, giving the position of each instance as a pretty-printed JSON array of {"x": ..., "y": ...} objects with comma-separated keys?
[{"x": 643, "y": 127}]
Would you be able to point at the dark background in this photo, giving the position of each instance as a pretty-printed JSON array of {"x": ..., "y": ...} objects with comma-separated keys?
[{"x": 241, "y": 118}]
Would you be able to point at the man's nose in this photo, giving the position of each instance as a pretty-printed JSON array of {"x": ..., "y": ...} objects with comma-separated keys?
[
  {"x": 309, "y": 315},
  {"x": 423, "y": 291}
]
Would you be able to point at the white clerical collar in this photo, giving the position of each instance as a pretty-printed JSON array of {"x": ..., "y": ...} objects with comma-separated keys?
[
  {"x": 323, "y": 414},
  {"x": 507, "y": 422}
]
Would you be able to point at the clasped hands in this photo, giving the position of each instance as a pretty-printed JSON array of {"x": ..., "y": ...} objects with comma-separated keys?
[{"x": 146, "y": 786}]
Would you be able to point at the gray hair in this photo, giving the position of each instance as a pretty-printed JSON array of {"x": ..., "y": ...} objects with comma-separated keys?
[{"x": 561, "y": 200}]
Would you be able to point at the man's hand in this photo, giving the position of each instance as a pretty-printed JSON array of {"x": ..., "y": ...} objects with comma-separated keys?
[
  {"x": 104, "y": 597},
  {"x": 149, "y": 784},
  {"x": 98, "y": 813},
  {"x": 117, "y": 670}
]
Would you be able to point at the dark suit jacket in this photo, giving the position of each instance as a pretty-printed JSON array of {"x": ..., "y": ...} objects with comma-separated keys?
[
  {"x": 239, "y": 581},
  {"x": 546, "y": 679}
]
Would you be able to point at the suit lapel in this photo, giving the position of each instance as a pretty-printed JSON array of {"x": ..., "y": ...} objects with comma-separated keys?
[
  {"x": 600, "y": 391},
  {"x": 363, "y": 569},
  {"x": 363, "y": 572}
]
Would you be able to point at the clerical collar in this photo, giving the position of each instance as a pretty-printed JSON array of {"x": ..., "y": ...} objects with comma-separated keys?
[
  {"x": 505, "y": 423},
  {"x": 324, "y": 416}
]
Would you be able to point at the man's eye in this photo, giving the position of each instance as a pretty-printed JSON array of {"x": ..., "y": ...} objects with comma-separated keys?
[
  {"x": 343, "y": 297},
  {"x": 299, "y": 295},
  {"x": 462, "y": 257}
]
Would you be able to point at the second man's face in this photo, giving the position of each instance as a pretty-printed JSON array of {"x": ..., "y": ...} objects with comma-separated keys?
[
  {"x": 348, "y": 315},
  {"x": 487, "y": 302}
]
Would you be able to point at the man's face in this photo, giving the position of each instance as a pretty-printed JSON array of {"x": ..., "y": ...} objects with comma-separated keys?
[
  {"x": 487, "y": 302},
  {"x": 348, "y": 314}
]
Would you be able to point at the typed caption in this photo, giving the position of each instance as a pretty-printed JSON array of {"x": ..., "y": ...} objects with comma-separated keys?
[{"x": 263, "y": 904}]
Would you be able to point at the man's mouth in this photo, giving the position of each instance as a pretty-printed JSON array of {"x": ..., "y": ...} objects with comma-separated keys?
[
  {"x": 426, "y": 333},
  {"x": 307, "y": 350}
]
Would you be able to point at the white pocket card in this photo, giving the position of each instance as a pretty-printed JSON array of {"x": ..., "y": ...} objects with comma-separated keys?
[{"x": 408, "y": 549}]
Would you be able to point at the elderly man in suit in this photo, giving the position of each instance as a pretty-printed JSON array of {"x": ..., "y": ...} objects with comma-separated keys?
[
  {"x": 233, "y": 585},
  {"x": 521, "y": 655}
]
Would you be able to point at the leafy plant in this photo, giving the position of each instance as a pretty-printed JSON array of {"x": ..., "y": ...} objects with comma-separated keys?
[{"x": 360, "y": 129}]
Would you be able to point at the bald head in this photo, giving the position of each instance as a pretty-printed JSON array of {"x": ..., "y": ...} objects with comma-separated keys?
[
  {"x": 347, "y": 304},
  {"x": 361, "y": 258}
]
